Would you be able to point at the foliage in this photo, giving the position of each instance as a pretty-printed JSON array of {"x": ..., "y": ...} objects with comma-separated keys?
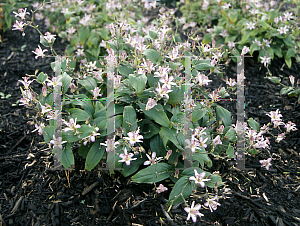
[{"x": 242, "y": 23}]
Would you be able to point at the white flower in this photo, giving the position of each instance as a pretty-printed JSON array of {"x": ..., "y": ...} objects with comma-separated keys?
[
  {"x": 110, "y": 144},
  {"x": 48, "y": 37},
  {"x": 288, "y": 15},
  {"x": 57, "y": 142},
  {"x": 19, "y": 25},
  {"x": 21, "y": 13},
  {"x": 150, "y": 104},
  {"x": 153, "y": 159},
  {"x": 71, "y": 125},
  {"x": 39, "y": 52},
  {"x": 161, "y": 188},
  {"x": 193, "y": 211},
  {"x": 266, "y": 163},
  {"x": 231, "y": 82},
  {"x": 126, "y": 157},
  {"x": 265, "y": 60},
  {"x": 199, "y": 179},
  {"x": 134, "y": 137},
  {"x": 212, "y": 204},
  {"x": 283, "y": 30},
  {"x": 245, "y": 50},
  {"x": 202, "y": 79}
]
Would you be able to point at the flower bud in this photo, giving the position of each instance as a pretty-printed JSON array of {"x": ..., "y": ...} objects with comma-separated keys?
[
  {"x": 176, "y": 173},
  {"x": 44, "y": 91},
  {"x": 183, "y": 155},
  {"x": 175, "y": 162},
  {"x": 87, "y": 120},
  {"x": 168, "y": 154}
]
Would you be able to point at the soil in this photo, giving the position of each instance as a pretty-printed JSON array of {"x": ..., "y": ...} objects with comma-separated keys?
[{"x": 32, "y": 194}]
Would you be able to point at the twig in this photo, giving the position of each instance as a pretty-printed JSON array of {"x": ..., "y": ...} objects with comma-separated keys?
[
  {"x": 17, "y": 143},
  {"x": 167, "y": 215}
]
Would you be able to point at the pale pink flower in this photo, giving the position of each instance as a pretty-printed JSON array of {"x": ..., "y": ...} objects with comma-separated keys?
[
  {"x": 288, "y": 15},
  {"x": 265, "y": 60},
  {"x": 96, "y": 92},
  {"x": 163, "y": 91},
  {"x": 283, "y": 30},
  {"x": 18, "y": 25},
  {"x": 71, "y": 125},
  {"x": 280, "y": 137},
  {"x": 231, "y": 45},
  {"x": 216, "y": 141},
  {"x": 199, "y": 178},
  {"x": 212, "y": 203},
  {"x": 48, "y": 37},
  {"x": 250, "y": 26},
  {"x": 110, "y": 144},
  {"x": 245, "y": 50},
  {"x": 39, "y": 52},
  {"x": 25, "y": 82},
  {"x": 152, "y": 160},
  {"x": 266, "y": 163},
  {"x": 134, "y": 137},
  {"x": 150, "y": 104},
  {"x": 21, "y": 13},
  {"x": 161, "y": 188},
  {"x": 290, "y": 126},
  {"x": 231, "y": 82},
  {"x": 193, "y": 144},
  {"x": 214, "y": 95},
  {"x": 292, "y": 79},
  {"x": 202, "y": 79},
  {"x": 39, "y": 128},
  {"x": 57, "y": 142},
  {"x": 193, "y": 211},
  {"x": 126, "y": 157}
]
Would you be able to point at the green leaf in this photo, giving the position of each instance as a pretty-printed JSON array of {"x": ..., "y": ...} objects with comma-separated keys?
[
  {"x": 253, "y": 48},
  {"x": 150, "y": 130},
  {"x": 198, "y": 114},
  {"x": 138, "y": 82},
  {"x": 245, "y": 37},
  {"x": 153, "y": 34},
  {"x": 95, "y": 155},
  {"x": 125, "y": 70},
  {"x": 230, "y": 152},
  {"x": 84, "y": 149},
  {"x": 152, "y": 55},
  {"x": 81, "y": 115},
  {"x": 41, "y": 77},
  {"x": 224, "y": 114},
  {"x": 203, "y": 65},
  {"x": 291, "y": 53},
  {"x": 118, "y": 121},
  {"x": 129, "y": 119},
  {"x": 167, "y": 134},
  {"x": 201, "y": 155},
  {"x": 231, "y": 135},
  {"x": 156, "y": 145},
  {"x": 48, "y": 133},
  {"x": 278, "y": 52},
  {"x": 104, "y": 33},
  {"x": 66, "y": 81},
  {"x": 152, "y": 174},
  {"x": 285, "y": 90},
  {"x": 206, "y": 39},
  {"x": 67, "y": 158},
  {"x": 93, "y": 40},
  {"x": 288, "y": 62},
  {"x": 88, "y": 83},
  {"x": 263, "y": 24},
  {"x": 176, "y": 96},
  {"x": 181, "y": 190},
  {"x": 253, "y": 124},
  {"x": 157, "y": 114},
  {"x": 83, "y": 34},
  {"x": 274, "y": 79}
]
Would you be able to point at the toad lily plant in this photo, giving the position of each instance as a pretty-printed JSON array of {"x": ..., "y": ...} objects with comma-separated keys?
[{"x": 149, "y": 110}]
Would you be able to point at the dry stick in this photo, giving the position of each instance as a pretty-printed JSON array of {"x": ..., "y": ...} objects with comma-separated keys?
[
  {"x": 17, "y": 143},
  {"x": 17, "y": 204},
  {"x": 167, "y": 215},
  {"x": 88, "y": 189}
]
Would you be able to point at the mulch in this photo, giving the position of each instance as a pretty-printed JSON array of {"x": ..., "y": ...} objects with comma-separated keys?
[{"x": 32, "y": 194}]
